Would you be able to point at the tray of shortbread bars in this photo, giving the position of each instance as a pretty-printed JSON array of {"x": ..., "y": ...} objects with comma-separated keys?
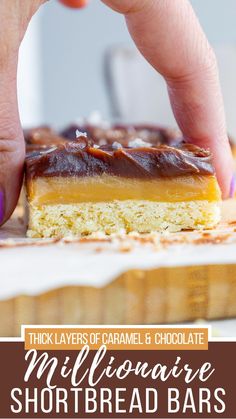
[{"x": 117, "y": 224}]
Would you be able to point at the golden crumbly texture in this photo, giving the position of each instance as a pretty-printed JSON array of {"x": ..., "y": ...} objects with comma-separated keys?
[{"x": 121, "y": 216}]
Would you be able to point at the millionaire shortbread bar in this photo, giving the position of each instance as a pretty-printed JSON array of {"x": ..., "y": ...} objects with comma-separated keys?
[{"x": 80, "y": 188}]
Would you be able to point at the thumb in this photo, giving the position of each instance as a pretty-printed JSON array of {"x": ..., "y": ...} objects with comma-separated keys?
[
  {"x": 11, "y": 173},
  {"x": 12, "y": 147},
  {"x": 15, "y": 16}
]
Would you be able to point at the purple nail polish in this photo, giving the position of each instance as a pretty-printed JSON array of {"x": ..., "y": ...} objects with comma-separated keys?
[
  {"x": 1, "y": 206},
  {"x": 232, "y": 186}
]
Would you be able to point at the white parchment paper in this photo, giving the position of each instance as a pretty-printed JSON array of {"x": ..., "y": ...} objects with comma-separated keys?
[{"x": 35, "y": 266}]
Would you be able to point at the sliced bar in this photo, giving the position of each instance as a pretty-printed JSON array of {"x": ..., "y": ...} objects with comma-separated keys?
[{"x": 79, "y": 188}]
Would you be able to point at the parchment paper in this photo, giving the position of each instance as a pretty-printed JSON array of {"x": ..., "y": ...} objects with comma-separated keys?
[{"x": 34, "y": 266}]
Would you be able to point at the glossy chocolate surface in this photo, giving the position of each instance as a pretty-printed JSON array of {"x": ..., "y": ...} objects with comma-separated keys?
[{"x": 83, "y": 158}]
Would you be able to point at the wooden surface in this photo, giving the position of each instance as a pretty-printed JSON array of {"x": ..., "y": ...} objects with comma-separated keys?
[{"x": 157, "y": 296}]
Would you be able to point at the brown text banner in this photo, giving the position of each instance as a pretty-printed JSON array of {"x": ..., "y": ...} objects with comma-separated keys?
[{"x": 117, "y": 384}]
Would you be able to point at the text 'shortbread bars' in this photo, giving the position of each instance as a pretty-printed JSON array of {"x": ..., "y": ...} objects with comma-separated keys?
[{"x": 83, "y": 187}]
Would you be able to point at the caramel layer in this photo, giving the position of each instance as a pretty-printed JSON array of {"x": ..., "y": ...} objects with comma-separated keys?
[{"x": 105, "y": 188}]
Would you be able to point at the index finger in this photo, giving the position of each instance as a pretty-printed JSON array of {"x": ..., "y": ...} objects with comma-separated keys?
[{"x": 169, "y": 35}]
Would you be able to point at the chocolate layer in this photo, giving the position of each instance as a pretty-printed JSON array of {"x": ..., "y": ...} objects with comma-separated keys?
[
  {"x": 42, "y": 138},
  {"x": 123, "y": 134},
  {"x": 83, "y": 158}
]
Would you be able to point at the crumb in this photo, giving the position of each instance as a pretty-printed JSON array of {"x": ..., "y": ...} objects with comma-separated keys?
[
  {"x": 125, "y": 248},
  {"x": 98, "y": 249},
  {"x": 212, "y": 239}
]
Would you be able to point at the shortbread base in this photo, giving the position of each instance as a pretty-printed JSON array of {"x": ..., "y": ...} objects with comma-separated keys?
[{"x": 120, "y": 216}]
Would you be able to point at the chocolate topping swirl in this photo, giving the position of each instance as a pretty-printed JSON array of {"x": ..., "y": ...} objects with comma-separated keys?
[{"x": 82, "y": 158}]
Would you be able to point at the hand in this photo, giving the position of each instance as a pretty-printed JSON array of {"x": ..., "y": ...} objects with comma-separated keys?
[
  {"x": 168, "y": 34},
  {"x": 15, "y": 16}
]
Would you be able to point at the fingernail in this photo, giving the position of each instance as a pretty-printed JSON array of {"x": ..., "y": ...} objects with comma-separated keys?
[
  {"x": 74, "y": 4},
  {"x": 1, "y": 207},
  {"x": 232, "y": 186}
]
